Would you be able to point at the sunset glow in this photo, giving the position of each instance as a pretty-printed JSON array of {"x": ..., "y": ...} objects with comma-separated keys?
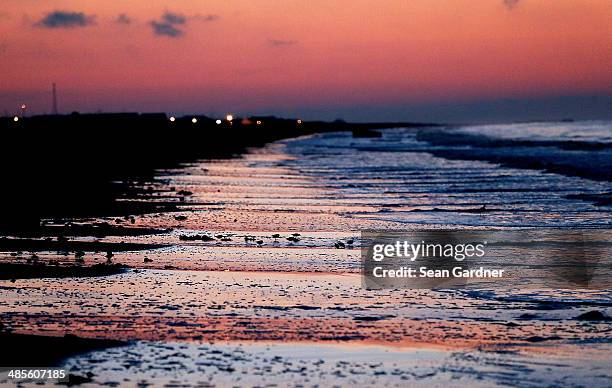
[
  {"x": 345, "y": 193},
  {"x": 286, "y": 57}
]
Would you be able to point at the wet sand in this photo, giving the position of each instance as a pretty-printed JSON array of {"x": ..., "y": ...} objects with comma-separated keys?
[
  {"x": 261, "y": 306},
  {"x": 244, "y": 306},
  {"x": 259, "y": 364}
]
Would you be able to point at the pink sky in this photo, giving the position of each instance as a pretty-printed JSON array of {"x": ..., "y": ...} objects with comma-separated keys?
[{"x": 261, "y": 56}]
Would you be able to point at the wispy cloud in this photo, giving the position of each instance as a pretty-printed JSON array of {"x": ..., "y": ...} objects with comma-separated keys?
[
  {"x": 511, "y": 4},
  {"x": 123, "y": 19},
  {"x": 281, "y": 42},
  {"x": 206, "y": 18},
  {"x": 169, "y": 25},
  {"x": 65, "y": 19},
  {"x": 174, "y": 18}
]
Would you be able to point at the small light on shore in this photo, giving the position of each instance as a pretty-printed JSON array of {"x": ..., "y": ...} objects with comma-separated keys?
[
  {"x": 15, "y": 119},
  {"x": 299, "y": 121},
  {"x": 218, "y": 121},
  {"x": 258, "y": 122},
  {"x": 229, "y": 117},
  {"x": 172, "y": 118},
  {"x": 194, "y": 120},
  {"x": 23, "y": 106}
]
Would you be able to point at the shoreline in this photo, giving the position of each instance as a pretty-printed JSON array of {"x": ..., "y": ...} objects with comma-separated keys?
[{"x": 86, "y": 162}]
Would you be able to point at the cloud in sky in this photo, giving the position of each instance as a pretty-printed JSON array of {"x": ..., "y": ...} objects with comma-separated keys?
[
  {"x": 65, "y": 19},
  {"x": 206, "y": 18},
  {"x": 174, "y": 18},
  {"x": 281, "y": 42},
  {"x": 511, "y": 4},
  {"x": 123, "y": 19},
  {"x": 169, "y": 25}
]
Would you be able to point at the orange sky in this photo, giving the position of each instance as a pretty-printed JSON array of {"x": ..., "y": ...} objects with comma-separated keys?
[{"x": 258, "y": 56}]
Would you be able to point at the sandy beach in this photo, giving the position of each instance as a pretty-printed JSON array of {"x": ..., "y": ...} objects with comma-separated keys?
[{"x": 244, "y": 276}]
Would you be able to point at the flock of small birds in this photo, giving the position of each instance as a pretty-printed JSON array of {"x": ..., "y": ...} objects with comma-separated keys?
[
  {"x": 293, "y": 238},
  {"x": 79, "y": 257},
  {"x": 341, "y": 245},
  {"x": 296, "y": 237}
]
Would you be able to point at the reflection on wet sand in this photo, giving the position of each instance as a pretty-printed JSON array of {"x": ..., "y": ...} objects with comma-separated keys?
[
  {"x": 253, "y": 306},
  {"x": 267, "y": 296}
]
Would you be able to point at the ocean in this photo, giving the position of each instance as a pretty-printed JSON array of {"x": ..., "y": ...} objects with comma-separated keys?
[{"x": 526, "y": 175}]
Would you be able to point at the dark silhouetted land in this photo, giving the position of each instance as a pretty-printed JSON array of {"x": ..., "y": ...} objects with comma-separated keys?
[
  {"x": 80, "y": 164},
  {"x": 23, "y": 350}
]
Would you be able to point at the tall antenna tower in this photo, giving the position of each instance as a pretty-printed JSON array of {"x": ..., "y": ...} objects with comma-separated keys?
[{"x": 54, "y": 109}]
